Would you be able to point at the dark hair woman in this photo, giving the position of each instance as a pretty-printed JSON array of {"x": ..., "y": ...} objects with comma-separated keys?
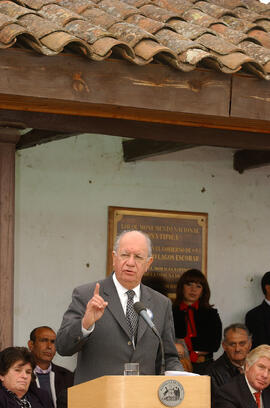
[
  {"x": 16, "y": 374},
  {"x": 195, "y": 320}
]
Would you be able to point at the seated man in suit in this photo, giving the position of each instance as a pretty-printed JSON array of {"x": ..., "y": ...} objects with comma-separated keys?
[
  {"x": 258, "y": 319},
  {"x": 251, "y": 389},
  {"x": 103, "y": 327},
  {"x": 49, "y": 376},
  {"x": 236, "y": 344}
]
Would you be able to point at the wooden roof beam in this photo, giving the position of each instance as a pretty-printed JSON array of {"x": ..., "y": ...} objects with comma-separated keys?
[
  {"x": 36, "y": 137},
  {"x": 141, "y": 149},
  {"x": 250, "y": 159}
]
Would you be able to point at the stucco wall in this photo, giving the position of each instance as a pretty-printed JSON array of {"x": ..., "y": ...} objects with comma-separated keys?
[{"x": 64, "y": 188}]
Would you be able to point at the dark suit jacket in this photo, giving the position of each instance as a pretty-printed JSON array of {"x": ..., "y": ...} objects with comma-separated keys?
[
  {"x": 37, "y": 397},
  {"x": 258, "y": 323},
  {"x": 208, "y": 327},
  {"x": 63, "y": 380},
  {"x": 109, "y": 346},
  {"x": 236, "y": 394},
  {"x": 221, "y": 371}
]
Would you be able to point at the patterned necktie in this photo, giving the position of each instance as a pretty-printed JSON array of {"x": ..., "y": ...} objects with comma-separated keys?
[
  {"x": 131, "y": 315},
  {"x": 257, "y": 396}
]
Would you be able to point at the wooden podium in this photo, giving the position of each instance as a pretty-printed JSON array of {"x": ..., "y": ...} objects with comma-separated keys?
[{"x": 138, "y": 392}]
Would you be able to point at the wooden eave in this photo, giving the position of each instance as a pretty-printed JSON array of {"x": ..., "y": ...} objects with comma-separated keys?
[{"x": 67, "y": 94}]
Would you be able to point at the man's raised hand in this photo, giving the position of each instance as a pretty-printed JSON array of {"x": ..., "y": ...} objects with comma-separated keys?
[{"x": 94, "y": 309}]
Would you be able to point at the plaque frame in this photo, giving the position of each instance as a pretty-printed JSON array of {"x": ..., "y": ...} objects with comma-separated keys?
[{"x": 189, "y": 228}]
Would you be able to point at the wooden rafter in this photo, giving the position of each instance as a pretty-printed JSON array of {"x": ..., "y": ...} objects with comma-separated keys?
[
  {"x": 36, "y": 136},
  {"x": 250, "y": 159},
  {"x": 140, "y": 149}
]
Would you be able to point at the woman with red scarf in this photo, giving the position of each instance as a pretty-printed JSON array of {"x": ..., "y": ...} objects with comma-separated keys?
[{"x": 195, "y": 320}]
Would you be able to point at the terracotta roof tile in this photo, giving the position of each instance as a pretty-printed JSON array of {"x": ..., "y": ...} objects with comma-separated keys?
[
  {"x": 235, "y": 60},
  {"x": 188, "y": 30},
  {"x": 118, "y": 9},
  {"x": 9, "y": 33},
  {"x": 176, "y": 6},
  {"x": 257, "y": 52},
  {"x": 77, "y": 7},
  {"x": 229, "y": 34},
  {"x": 226, "y": 35},
  {"x": 230, "y": 4},
  {"x": 57, "y": 14},
  {"x": 238, "y": 24},
  {"x": 130, "y": 33},
  {"x": 257, "y": 6},
  {"x": 246, "y": 14},
  {"x": 87, "y": 31},
  {"x": 13, "y": 10},
  {"x": 37, "y": 27},
  {"x": 267, "y": 67},
  {"x": 148, "y": 49},
  {"x": 175, "y": 42},
  {"x": 213, "y": 10},
  {"x": 103, "y": 48},
  {"x": 58, "y": 40},
  {"x": 36, "y": 4},
  {"x": 261, "y": 36},
  {"x": 158, "y": 13},
  {"x": 217, "y": 44},
  {"x": 148, "y": 24},
  {"x": 196, "y": 16},
  {"x": 265, "y": 25},
  {"x": 137, "y": 3},
  {"x": 195, "y": 56},
  {"x": 100, "y": 18}
]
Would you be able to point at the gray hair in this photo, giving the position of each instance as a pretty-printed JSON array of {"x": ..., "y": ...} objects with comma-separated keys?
[
  {"x": 261, "y": 351},
  {"x": 234, "y": 327},
  {"x": 148, "y": 241}
]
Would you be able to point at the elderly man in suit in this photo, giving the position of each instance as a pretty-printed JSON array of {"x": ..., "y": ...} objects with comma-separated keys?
[
  {"x": 258, "y": 319},
  {"x": 101, "y": 329},
  {"x": 251, "y": 389}
]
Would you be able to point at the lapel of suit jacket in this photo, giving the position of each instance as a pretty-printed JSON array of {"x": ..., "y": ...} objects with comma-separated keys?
[
  {"x": 249, "y": 400},
  {"x": 110, "y": 295},
  {"x": 266, "y": 314},
  {"x": 146, "y": 299},
  {"x": 266, "y": 397}
]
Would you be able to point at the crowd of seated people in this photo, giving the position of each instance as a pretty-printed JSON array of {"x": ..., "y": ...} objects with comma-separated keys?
[{"x": 240, "y": 378}]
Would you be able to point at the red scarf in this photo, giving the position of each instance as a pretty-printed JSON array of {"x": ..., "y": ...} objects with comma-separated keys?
[{"x": 191, "y": 328}]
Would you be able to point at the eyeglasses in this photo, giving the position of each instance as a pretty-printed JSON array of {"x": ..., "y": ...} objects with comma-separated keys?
[{"x": 125, "y": 256}]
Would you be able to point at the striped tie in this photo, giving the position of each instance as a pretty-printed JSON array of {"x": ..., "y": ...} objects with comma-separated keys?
[{"x": 131, "y": 315}]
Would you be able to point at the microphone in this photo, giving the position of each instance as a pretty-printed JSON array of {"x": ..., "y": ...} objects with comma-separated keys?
[{"x": 141, "y": 310}]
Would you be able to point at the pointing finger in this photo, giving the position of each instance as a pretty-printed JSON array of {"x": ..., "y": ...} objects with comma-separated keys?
[{"x": 96, "y": 291}]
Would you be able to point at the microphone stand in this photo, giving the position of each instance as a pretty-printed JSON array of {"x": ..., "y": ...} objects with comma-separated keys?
[
  {"x": 141, "y": 310},
  {"x": 162, "y": 367}
]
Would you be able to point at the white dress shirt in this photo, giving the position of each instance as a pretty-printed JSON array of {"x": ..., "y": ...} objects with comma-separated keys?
[{"x": 252, "y": 390}]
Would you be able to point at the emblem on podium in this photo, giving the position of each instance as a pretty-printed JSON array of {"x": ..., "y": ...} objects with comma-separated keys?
[{"x": 171, "y": 393}]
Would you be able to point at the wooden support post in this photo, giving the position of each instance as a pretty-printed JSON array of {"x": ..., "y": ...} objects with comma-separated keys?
[{"x": 8, "y": 140}]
